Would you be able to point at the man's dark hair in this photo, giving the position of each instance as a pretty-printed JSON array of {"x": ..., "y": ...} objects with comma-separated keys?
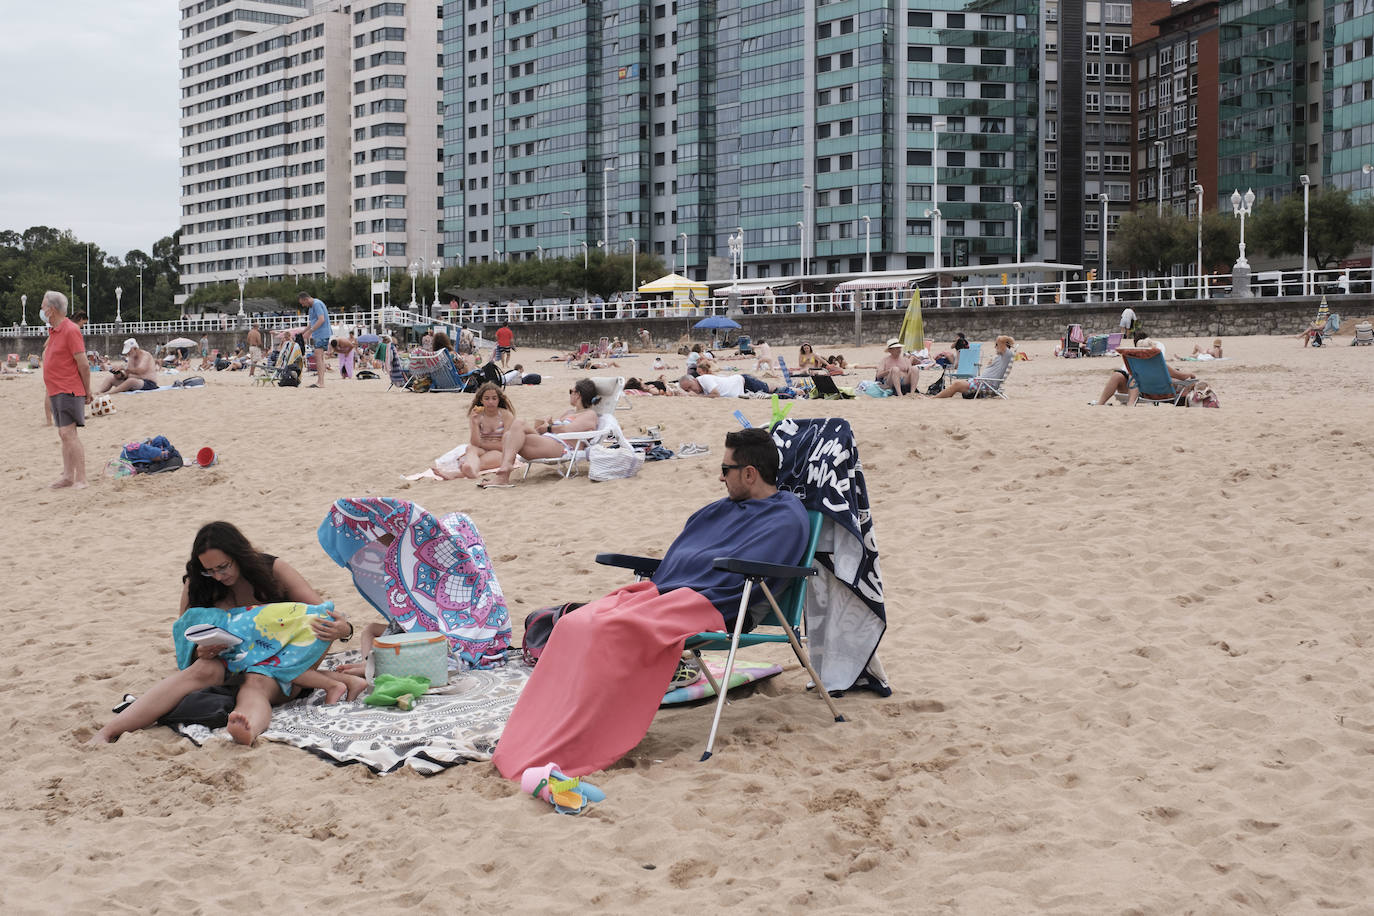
[
  {"x": 79, "y": 316},
  {"x": 303, "y": 295},
  {"x": 755, "y": 448}
]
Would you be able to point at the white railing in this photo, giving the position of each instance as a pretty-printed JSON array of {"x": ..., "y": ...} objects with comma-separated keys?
[{"x": 964, "y": 295}]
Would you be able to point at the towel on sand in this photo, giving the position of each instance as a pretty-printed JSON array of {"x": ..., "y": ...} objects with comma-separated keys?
[{"x": 600, "y": 680}]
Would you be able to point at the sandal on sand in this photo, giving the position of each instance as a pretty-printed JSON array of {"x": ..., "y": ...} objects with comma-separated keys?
[
  {"x": 124, "y": 703},
  {"x": 495, "y": 486}
]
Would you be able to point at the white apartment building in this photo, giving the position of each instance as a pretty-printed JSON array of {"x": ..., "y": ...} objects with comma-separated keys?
[{"x": 311, "y": 137}]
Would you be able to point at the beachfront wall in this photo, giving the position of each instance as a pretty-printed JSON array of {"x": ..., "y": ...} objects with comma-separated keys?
[
  {"x": 1178, "y": 318},
  {"x": 1206, "y": 318}
]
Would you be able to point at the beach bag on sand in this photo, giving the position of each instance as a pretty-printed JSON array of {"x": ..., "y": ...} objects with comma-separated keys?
[
  {"x": 290, "y": 378},
  {"x": 539, "y": 627},
  {"x": 937, "y": 386},
  {"x": 606, "y": 463},
  {"x": 152, "y": 456},
  {"x": 1202, "y": 395}
]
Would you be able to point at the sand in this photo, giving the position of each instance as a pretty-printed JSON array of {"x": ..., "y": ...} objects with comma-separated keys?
[{"x": 1130, "y": 649}]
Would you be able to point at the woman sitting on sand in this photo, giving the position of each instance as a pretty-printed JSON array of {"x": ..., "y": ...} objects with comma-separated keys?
[
  {"x": 807, "y": 360},
  {"x": 540, "y": 439},
  {"x": 489, "y": 417},
  {"x": 225, "y": 571}
]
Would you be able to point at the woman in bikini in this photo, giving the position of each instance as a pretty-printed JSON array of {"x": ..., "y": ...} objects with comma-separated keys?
[
  {"x": 807, "y": 360},
  {"x": 540, "y": 439},
  {"x": 489, "y": 417}
]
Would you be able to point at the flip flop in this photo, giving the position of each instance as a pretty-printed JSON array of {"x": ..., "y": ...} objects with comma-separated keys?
[
  {"x": 496, "y": 486},
  {"x": 314, "y": 386}
]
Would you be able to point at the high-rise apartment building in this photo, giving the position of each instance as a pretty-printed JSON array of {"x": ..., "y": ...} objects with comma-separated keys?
[
  {"x": 310, "y": 133},
  {"x": 1176, "y": 112},
  {"x": 810, "y": 127},
  {"x": 1347, "y": 86}
]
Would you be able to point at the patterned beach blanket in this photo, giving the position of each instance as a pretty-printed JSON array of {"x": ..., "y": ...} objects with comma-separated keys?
[
  {"x": 424, "y": 574},
  {"x": 448, "y": 726}
]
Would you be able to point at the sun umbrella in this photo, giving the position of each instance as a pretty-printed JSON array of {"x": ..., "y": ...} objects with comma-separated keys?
[
  {"x": 912, "y": 333},
  {"x": 714, "y": 322},
  {"x": 368, "y": 338},
  {"x": 180, "y": 343}
]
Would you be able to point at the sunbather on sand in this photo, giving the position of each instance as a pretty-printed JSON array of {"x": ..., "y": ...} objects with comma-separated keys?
[
  {"x": 1205, "y": 353},
  {"x": 225, "y": 571},
  {"x": 489, "y": 417},
  {"x": 539, "y": 439}
]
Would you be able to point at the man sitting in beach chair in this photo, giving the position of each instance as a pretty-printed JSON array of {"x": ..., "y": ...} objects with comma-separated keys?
[{"x": 1128, "y": 386}]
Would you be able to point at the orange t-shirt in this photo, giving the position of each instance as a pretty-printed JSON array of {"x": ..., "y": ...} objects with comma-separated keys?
[{"x": 65, "y": 346}]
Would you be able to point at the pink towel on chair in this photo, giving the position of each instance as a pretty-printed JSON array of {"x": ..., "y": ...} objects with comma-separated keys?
[{"x": 601, "y": 677}]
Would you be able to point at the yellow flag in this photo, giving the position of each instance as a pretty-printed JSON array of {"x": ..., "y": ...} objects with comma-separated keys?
[{"x": 913, "y": 334}]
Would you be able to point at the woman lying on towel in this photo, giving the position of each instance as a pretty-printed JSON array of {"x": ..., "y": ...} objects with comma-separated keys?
[
  {"x": 490, "y": 415},
  {"x": 226, "y": 582},
  {"x": 540, "y": 439}
]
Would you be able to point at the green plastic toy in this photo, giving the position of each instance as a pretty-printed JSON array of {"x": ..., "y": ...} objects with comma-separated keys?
[{"x": 389, "y": 690}]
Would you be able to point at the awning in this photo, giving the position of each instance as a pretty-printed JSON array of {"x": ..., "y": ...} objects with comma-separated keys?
[
  {"x": 673, "y": 283},
  {"x": 750, "y": 290},
  {"x": 875, "y": 283}
]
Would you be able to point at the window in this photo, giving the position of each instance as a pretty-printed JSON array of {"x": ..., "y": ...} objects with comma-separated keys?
[
  {"x": 954, "y": 20},
  {"x": 991, "y": 126},
  {"x": 955, "y": 193},
  {"x": 917, "y": 87},
  {"x": 992, "y": 160},
  {"x": 920, "y": 20},
  {"x": 920, "y": 54},
  {"x": 954, "y": 55},
  {"x": 993, "y": 56},
  {"x": 992, "y": 229},
  {"x": 992, "y": 91},
  {"x": 954, "y": 90},
  {"x": 993, "y": 23},
  {"x": 991, "y": 194},
  {"x": 1051, "y": 160}
]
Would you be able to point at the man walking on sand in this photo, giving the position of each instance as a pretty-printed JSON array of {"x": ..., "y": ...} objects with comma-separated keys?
[
  {"x": 318, "y": 332},
  {"x": 67, "y": 379},
  {"x": 254, "y": 347}
]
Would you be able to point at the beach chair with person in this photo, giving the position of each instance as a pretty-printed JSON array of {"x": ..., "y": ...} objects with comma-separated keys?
[
  {"x": 969, "y": 361},
  {"x": 1150, "y": 379},
  {"x": 578, "y": 445},
  {"x": 1364, "y": 335}
]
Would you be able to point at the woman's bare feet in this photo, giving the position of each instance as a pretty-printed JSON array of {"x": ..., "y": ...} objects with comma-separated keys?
[
  {"x": 356, "y": 685},
  {"x": 334, "y": 692},
  {"x": 448, "y": 475},
  {"x": 241, "y": 728}
]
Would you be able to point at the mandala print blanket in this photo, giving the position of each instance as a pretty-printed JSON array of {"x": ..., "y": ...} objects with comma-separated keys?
[{"x": 422, "y": 573}]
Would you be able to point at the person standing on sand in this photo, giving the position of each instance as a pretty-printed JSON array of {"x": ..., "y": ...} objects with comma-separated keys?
[
  {"x": 505, "y": 344},
  {"x": 67, "y": 379},
  {"x": 318, "y": 332},
  {"x": 254, "y": 347}
]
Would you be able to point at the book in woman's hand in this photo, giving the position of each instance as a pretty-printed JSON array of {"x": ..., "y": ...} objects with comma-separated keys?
[{"x": 207, "y": 634}]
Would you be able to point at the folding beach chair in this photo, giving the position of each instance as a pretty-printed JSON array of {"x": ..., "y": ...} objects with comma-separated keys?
[
  {"x": 290, "y": 361},
  {"x": 578, "y": 445},
  {"x": 1151, "y": 379},
  {"x": 744, "y": 346},
  {"x": 1075, "y": 343},
  {"x": 399, "y": 375},
  {"x": 1113, "y": 341},
  {"x": 1364, "y": 335},
  {"x": 1097, "y": 345},
  {"x": 266, "y": 372},
  {"x": 786, "y": 624},
  {"x": 438, "y": 367},
  {"x": 969, "y": 361},
  {"x": 986, "y": 387}
]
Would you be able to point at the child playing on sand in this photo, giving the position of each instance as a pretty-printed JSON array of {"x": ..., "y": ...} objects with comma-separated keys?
[{"x": 225, "y": 572}]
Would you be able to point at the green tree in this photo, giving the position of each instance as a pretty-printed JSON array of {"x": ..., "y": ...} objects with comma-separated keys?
[
  {"x": 1148, "y": 243},
  {"x": 1335, "y": 225}
]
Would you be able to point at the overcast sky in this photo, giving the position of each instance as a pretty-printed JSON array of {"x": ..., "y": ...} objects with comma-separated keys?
[{"x": 88, "y": 121}]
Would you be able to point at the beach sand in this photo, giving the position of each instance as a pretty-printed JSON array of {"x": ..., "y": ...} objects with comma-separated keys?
[{"x": 1130, "y": 653}]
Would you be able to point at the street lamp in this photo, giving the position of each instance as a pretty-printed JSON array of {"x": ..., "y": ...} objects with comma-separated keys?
[
  {"x": 868, "y": 250},
  {"x": 736, "y": 253},
  {"x": 1159, "y": 187},
  {"x": 1306, "y": 276},
  {"x": 243, "y": 281},
  {"x": 1102, "y": 255},
  {"x": 801, "y": 245},
  {"x": 1016, "y": 205},
  {"x": 540, "y": 249},
  {"x": 683, "y": 246},
  {"x": 605, "y": 206},
  {"x": 584, "y": 254},
  {"x": 935, "y": 215},
  {"x": 740, "y": 230},
  {"x": 568, "y": 214},
  {"x": 806, "y": 218},
  {"x": 1242, "y": 207},
  {"x": 119, "y": 294},
  {"x": 414, "y": 271},
  {"x": 1205, "y": 292},
  {"x": 436, "y": 267},
  {"x": 634, "y": 266},
  {"x": 140, "y": 295},
  {"x": 24, "y": 309}
]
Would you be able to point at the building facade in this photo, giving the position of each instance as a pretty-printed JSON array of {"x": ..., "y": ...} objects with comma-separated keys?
[
  {"x": 806, "y": 130},
  {"x": 310, "y": 133}
]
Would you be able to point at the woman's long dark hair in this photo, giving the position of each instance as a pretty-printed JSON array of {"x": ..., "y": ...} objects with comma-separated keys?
[
  {"x": 254, "y": 566},
  {"x": 586, "y": 391}
]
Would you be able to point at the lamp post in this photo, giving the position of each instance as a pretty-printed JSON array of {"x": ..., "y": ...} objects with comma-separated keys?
[
  {"x": 119, "y": 294},
  {"x": 868, "y": 248},
  {"x": 140, "y": 295},
  {"x": 1204, "y": 293},
  {"x": 934, "y": 214},
  {"x": 605, "y": 206},
  {"x": 683, "y": 246},
  {"x": 740, "y": 230},
  {"x": 1102, "y": 255},
  {"x": 71, "y": 295},
  {"x": 414, "y": 270},
  {"x": 1016, "y": 205},
  {"x": 806, "y": 222},
  {"x": 436, "y": 267},
  {"x": 634, "y": 265},
  {"x": 1242, "y": 207},
  {"x": 1159, "y": 185},
  {"x": 243, "y": 281},
  {"x": 540, "y": 249},
  {"x": 1306, "y": 275},
  {"x": 584, "y": 254},
  {"x": 736, "y": 245},
  {"x": 570, "y": 222},
  {"x": 801, "y": 245},
  {"x": 24, "y": 310}
]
